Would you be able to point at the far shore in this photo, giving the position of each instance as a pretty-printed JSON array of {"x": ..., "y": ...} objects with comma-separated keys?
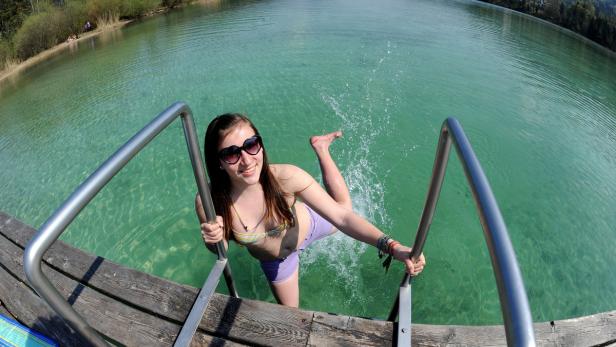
[{"x": 14, "y": 70}]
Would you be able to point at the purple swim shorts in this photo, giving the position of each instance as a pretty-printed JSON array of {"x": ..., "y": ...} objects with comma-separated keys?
[{"x": 280, "y": 270}]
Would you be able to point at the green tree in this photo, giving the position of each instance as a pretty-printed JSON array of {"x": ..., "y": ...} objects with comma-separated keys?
[
  {"x": 12, "y": 15},
  {"x": 41, "y": 31},
  {"x": 5, "y": 53},
  {"x": 76, "y": 15},
  {"x": 580, "y": 16},
  {"x": 594, "y": 19}
]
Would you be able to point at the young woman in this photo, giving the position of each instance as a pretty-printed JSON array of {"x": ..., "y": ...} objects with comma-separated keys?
[{"x": 277, "y": 210}]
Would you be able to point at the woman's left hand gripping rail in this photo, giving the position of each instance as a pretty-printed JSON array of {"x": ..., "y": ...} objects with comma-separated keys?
[{"x": 413, "y": 266}]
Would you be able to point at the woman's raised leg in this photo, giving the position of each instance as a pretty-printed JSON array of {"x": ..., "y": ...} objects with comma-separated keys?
[
  {"x": 332, "y": 178},
  {"x": 287, "y": 291}
]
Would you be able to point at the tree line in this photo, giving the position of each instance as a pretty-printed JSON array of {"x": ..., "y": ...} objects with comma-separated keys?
[
  {"x": 594, "y": 19},
  {"x": 28, "y": 27}
]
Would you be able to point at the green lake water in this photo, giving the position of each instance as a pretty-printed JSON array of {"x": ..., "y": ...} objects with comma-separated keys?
[{"x": 537, "y": 103}]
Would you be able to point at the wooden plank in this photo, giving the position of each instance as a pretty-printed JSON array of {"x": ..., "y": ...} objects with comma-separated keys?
[
  {"x": 333, "y": 330},
  {"x": 452, "y": 335},
  {"x": 111, "y": 318},
  {"x": 244, "y": 320},
  {"x": 256, "y": 322},
  {"x": 102, "y": 313},
  {"x": 135, "y": 288},
  {"x": 201, "y": 339},
  {"x": 34, "y": 313},
  {"x": 5, "y": 312},
  {"x": 593, "y": 330}
]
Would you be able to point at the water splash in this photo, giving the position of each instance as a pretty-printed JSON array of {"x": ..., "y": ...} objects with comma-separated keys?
[{"x": 364, "y": 118}]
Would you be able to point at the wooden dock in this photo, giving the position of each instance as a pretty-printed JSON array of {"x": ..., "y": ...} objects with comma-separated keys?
[{"x": 133, "y": 308}]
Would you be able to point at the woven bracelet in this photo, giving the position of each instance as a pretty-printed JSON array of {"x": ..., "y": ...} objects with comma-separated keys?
[
  {"x": 390, "y": 251},
  {"x": 382, "y": 245}
]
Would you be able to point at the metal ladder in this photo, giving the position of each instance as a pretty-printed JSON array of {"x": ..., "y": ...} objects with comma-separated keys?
[
  {"x": 66, "y": 213},
  {"x": 511, "y": 292},
  {"x": 514, "y": 304}
]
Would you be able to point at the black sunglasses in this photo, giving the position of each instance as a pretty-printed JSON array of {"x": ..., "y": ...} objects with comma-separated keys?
[{"x": 232, "y": 154}]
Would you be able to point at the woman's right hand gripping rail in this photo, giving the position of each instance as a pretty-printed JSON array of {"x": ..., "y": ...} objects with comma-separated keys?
[{"x": 212, "y": 232}]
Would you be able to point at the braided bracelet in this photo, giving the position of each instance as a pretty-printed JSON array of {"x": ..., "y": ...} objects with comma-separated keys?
[
  {"x": 386, "y": 245},
  {"x": 382, "y": 244}
]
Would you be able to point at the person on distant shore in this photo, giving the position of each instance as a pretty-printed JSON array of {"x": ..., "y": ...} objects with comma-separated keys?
[{"x": 277, "y": 210}]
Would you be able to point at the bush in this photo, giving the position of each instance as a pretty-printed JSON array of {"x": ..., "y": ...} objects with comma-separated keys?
[
  {"x": 76, "y": 15},
  {"x": 5, "y": 53},
  {"x": 12, "y": 15},
  {"x": 53, "y": 24},
  {"x": 111, "y": 10},
  {"x": 136, "y": 8},
  {"x": 104, "y": 10},
  {"x": 172, "y": 3},
  {"x": 41, "y": 31},
  {"x": 33, "y": 36}
]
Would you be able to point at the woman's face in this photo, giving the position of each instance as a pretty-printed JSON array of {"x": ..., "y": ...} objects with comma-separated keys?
[{"x": 247, "y": 170}]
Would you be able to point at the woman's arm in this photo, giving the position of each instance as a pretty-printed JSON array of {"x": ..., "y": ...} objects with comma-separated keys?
[{"x": 304, "y": 185}]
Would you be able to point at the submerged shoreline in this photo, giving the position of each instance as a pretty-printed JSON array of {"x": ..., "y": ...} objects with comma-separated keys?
[{"x": 14, "y": 70}]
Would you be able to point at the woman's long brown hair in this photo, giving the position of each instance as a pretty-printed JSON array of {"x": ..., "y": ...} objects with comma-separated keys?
[{"x": 275, "y": 202}]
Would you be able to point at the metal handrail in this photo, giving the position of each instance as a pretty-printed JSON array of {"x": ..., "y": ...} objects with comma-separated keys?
[
  {"x": 66, "y": 213},
  {"x": 513, "y": 299}
]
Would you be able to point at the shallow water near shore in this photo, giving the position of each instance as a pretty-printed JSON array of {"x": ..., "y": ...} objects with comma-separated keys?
[{"x": 537, "y": 103}]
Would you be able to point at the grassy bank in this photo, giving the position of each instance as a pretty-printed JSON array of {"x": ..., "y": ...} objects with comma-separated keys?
[
  {"x": 28, "y": 28},
  {"x": 13, "y": 67}
]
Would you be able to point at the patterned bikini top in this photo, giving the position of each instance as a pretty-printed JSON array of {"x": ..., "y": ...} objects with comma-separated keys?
[{"x": 248, "y": 237}]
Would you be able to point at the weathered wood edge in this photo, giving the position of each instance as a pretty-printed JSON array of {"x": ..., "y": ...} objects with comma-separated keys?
[
  {"x": 243, "y": 321},
  {"x": 100, "y": 312},
  {"x": 161, "y": 297},
  {"x": 256, "y": 322},
  {"x": 593, "y": 330},
  {"x": 5, "y": 312},
  {"x": 597, "y": 329},
  {"x": 112, "y": 318},
  {"x": 349, "y": 331},
  {"x": 32, "y": 312}
]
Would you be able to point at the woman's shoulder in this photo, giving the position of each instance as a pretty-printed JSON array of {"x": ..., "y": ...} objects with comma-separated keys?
[
  {"x": 291, "y": 177},
  {"x": 284, "y": 171}
]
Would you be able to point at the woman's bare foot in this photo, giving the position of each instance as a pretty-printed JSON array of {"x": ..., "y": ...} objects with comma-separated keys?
[
  {"x": 332, "y": 179},
  {"x": 322, "y": 142}
]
